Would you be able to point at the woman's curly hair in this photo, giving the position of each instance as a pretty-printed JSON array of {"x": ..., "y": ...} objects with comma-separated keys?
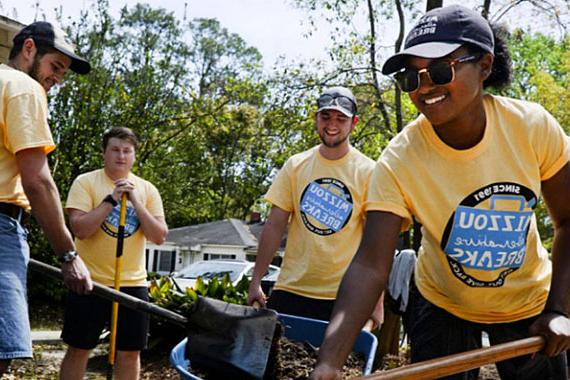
[{"x": 502, "y": 71}]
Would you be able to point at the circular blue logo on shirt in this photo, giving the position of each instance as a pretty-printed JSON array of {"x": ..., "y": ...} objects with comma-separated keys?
[
  {"x": 111, "y": 224},
  {"x": 326, "y": 206},
  {"x": 489, "y": 239}
]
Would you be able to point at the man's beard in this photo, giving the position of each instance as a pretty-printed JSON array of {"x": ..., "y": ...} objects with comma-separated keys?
[
  {"x": 33, "y": 72},
  {"x": 334, "y": 143}
]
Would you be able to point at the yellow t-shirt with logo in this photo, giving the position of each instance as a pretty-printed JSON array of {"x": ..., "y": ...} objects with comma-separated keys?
[
  {"x": 23, "y": 125},
  {"x": 481, "y": 257},
  {"x": 325, "y": 199},
  {"x": 99, "y": 250}
]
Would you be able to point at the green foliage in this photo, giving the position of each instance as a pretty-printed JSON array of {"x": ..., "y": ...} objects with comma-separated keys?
[
  {"x": 163, "y": 292},
  {"x": 214, "y": 128},
  {"x": 194, "y": 93}
]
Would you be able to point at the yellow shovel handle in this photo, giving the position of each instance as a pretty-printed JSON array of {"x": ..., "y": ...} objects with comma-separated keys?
[{"x": 118, "y": 269}]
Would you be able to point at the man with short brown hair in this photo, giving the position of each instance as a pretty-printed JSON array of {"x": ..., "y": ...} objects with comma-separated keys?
[
  {"x": 93, "y": 208},
  {"x": 319, "y": 195}
]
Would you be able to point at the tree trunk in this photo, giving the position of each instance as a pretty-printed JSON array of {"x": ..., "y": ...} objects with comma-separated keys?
[
  {"x": 376, "y": 84},
  {"x": 432, "y": 4},
  {"x": 486, "y": 8}
]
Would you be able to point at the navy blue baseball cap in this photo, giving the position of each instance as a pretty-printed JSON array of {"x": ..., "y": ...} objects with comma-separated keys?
[
  {"x": 44, "y": 33},
  {"x": 440, "y": 32}
]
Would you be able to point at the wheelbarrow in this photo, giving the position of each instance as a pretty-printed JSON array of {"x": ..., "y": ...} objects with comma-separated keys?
[
  {"x": 234, "y": 340},
  {"x": 295, "y": 328}
]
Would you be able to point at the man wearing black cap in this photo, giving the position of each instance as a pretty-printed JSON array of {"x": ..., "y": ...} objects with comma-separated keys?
[
  {"x": 39, "y": 59},
  {"x": 321, "y": 191}
]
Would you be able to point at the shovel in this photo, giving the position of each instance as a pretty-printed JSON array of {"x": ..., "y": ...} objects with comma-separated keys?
[
  {"x": 231, "y": 341},
  {"x": 118, "y": 270},
  {"x": 461, "y": 362}
]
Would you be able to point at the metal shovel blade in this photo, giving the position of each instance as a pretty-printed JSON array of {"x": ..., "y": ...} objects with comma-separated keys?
[{"x": 229, "y": 341}]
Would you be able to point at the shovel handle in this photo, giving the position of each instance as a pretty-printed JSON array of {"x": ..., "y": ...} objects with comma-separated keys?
[
  {"x": 118, "y": 270},
  {"x": 113, "y": 295},
  {"x": 448, "y": 365},
  {"x": 368, "y": 325}
]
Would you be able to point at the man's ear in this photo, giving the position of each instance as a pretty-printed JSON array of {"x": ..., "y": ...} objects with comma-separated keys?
[
  {"x": 29, "y": 48},
  {"x": 486, "y": 65},
  {"x": 355, "y": 120}
]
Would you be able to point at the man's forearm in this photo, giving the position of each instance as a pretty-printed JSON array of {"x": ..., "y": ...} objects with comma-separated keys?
[
  {"x": 267, "y": 248},
  {"x": 85, "y": 224},
  {"x": 154, "y": 228},
  {"x": 269, "y": 242},
  {"x": 46, "y": 208},
  {"x": 558, "y": 297}
]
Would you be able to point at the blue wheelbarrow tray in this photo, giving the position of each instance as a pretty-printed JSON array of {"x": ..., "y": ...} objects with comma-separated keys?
[{"x": 295, "y": 328}]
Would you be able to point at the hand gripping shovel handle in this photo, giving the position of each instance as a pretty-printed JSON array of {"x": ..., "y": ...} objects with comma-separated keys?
[
  {"x": 113, "y": 295},
  {"x": 449, "y": 365},
  {"x": 118, "y": 269}
]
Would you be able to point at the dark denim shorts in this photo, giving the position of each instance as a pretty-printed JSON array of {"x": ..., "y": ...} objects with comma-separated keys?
[{"x": 434, "y": 333}]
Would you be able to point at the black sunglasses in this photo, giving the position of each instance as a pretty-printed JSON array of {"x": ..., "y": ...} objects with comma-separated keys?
[
  {"x": 440, "y": 72},
  {"x": 338, "y": 100}
]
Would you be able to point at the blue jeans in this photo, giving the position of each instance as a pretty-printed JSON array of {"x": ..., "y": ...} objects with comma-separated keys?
[
  {"x": 435, "y": 333},
  {"x": 15, "y": 339}
]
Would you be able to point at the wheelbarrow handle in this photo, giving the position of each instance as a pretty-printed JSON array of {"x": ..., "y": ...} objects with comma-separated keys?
[
  {"x": 113, "y": 295},
  {"x": 448, "y": 365}
]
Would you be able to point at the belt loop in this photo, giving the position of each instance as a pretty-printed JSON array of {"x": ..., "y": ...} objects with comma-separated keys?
[{"x": 20, "y": 215}]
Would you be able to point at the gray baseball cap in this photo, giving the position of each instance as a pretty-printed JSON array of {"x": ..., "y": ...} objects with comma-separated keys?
[
  {"x": 337, "y": 98},
  {"x": 45, "y": 33}
]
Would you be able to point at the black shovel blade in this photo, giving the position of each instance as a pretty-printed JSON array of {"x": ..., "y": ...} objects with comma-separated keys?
[{"x": 229, "y": 341}]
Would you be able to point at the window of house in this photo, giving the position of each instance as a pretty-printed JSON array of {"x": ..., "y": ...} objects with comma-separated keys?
[
  {"x": 217, "y": 256},
  {"x": 164, "y": 261}
]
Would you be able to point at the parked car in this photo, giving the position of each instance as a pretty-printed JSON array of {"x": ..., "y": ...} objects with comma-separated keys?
[{"x": 235, "y": 269}]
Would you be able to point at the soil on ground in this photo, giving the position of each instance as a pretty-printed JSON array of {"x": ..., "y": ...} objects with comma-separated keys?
[
  {"x": 299, "y": 360},
  {"x": 295, "y": 359},
  {"x": 47, "y": 358}
]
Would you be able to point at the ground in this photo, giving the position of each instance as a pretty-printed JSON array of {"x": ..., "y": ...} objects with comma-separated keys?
[
  {"x": 45, "y": 365},
  {"x": 155, "y": 363}
]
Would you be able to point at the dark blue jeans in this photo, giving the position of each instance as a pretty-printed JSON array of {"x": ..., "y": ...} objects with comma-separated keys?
[{"x": 434, "y": 333}]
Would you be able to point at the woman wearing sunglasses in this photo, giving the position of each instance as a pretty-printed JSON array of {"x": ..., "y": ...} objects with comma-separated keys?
[{"x": 470, "y": 169}]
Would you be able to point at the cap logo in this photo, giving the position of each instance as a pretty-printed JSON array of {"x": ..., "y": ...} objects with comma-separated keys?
[
  {"x": 62, "y": 39},
  {"x": 426, "y": 25}
]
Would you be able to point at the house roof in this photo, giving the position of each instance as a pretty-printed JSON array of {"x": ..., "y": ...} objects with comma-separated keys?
[
  {"x": 257, "y": 228},
  {"x": 222, "y": 232},
  {"x": 8, "y": 28}
]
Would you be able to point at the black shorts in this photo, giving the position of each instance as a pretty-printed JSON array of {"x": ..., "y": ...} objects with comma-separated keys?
[
  {"x": 435, "y": 333},
  {"x": 289, "y": 303},
  {"x": 87, "y": 315}
]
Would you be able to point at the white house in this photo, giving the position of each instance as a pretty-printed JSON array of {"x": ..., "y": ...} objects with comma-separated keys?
[
  {"x": 224, "y": 239},
  {"x": 8, "y": 28}
]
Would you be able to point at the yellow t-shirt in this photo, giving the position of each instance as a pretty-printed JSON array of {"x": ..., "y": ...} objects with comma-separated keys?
[
  {"x": 481, "y": 257},
  {"x": 99, "y": 250},
  {"x": 23, "y": 125},
  {"x": 325, "y": 198}
]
